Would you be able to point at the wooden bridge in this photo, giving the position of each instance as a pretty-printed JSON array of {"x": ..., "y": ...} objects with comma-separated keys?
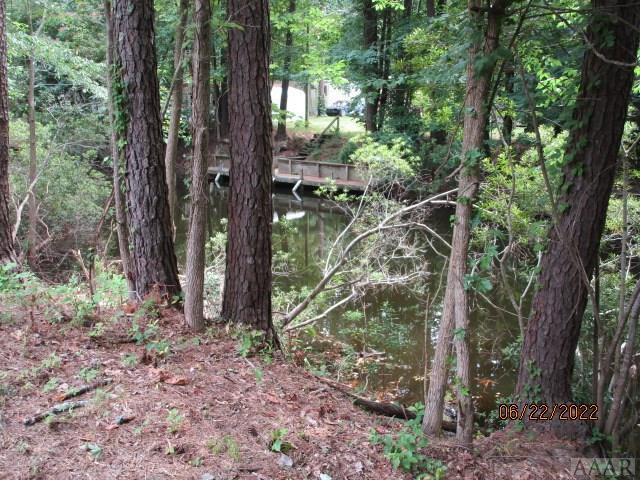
[{"x": 297, "y": 172}]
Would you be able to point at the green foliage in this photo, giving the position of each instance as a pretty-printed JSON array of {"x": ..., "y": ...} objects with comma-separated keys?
[
  {"x": 93, "y": 449},
  {"x": 249, "y": 341},
  {"x": 51, "y": 362},
  {"x": 129, "y": 360},
  {"x": 278, "y": 443},
  {"x": 403, "y": 449},
  {"x": 393, "y": 161},
  {"x": 88, "y": 374},
  {"x": 175, "y": 419},
  {"x": 227, "y": 444},
  {"x": 51, "y": 385},
  {"x": 142, "y": 335}
]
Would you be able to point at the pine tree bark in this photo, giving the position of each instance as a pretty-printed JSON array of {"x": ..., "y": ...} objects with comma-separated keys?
[
  {"x": 154, "y": 264},
  {"x": 370, "y": 37},
  {"x": 455, "y": 305},
  {"x": 193, "y": 305},
  {"x": 223, "y": 109},
  {"x": 507, "y": 126},
  {"x": 384, "y": 66},
  {"x": 247, "y": 288},
  {"x": 431, "y": 8},
  {"x": 7, "y": 248},
  {"x": 171, "y": 154},
  {"x": 32, "y": 234},
  {"x": 548, "y": 350},
  {"x": 119, "y": 200},
  {"x": 281, "y": 132}
]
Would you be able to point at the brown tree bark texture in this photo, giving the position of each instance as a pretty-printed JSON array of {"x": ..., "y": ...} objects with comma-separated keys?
[
  {"x": 119, "y": 200},
  {"x": 547, "y": 358},
  {"x": 370, "y": 37},
  {"x": 32, "y": 237},
  {"x": 281, "y": 132},
  {"x": 153, "y": 257},
  {"x": 455, "y": 305},
  {"x": 7, "y": 250},
  {"x": 247, "y": 289},
  {"x": 223, "y": 106},
  {"x": 384, "y": 66},
  {"x": 193, "y": 305},
  {"x": 171, "y": 154}
]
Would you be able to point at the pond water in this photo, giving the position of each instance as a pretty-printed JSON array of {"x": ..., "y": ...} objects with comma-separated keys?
[{"x": 394, "y": 322}]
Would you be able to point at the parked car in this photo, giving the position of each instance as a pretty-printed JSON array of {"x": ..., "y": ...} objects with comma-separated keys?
[{"x": 337, "y": 109}]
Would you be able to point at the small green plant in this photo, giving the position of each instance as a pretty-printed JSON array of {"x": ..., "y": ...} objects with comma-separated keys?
[
  {"x": 97, "y": 330},
  {"x": 52, "y": 361},
  {"x": 129, "y": 361},
  {"x": 403, "y": 448},
  {"x": 142, "y": 335},
  {"x": 148, "y": 336},
  {"x": 259, "y": 375},
  {"x": 278, "y": 444},
  {"x": 226, "y": 444},
  {"x": 149, "y": 309},
  {"x": 51, "y": 385},
  {"x": 162, "y": 347},
  {"x": 249, "y": 341},
  {"x": 174, "y": 420},
  {"x": 140, "y": 429},
  {"x": 94, "y": 450},
  {"x": 196, "y": 462},
  {"x": 88, "y": 374},
  {"x": 99, "y": 400}
]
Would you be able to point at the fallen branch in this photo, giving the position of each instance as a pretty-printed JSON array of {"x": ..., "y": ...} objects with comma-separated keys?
[
  {"x": 344, "y": 256},
  {"x": 76, "y": 392},
  {"x": 380, "y": 408},
  {"x": 55, "y": 410},
  {"x": 323, "y": 314}
]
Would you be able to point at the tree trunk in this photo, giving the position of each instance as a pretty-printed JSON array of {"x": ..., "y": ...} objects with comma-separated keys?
[
  {"x": 455, "y": 307},
  {"x": 121, "y": 217},
  {"x": 401, "y": 96},
  {"x": 385, "y": 67},
  {"x": 281, "y": 133},
  {"x": 431, "y": 8},
  {"x": 247, "y": 287},
  {"x": 223, "y": 110},
  {"x": 7, "y": 249},
  {"x": 154, "y": 263},
  {"x": 370, "y": 36},
  {"x": 548, "y": 350},
  {"x": 193, "y": 305},
  {"x": 33, "y": 165},
  {"x": 507, "y": 127},
  {"x": 171, "y": 154}
]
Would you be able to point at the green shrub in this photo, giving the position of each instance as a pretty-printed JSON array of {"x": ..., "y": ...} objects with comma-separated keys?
[{"x": 403, "y": 449}]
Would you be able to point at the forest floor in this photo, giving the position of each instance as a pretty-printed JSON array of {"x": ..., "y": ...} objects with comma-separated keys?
[{"x": 192, "y": 407}]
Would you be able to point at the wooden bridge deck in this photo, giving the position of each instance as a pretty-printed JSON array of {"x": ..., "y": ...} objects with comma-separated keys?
[{"x": 292, "y": 170}]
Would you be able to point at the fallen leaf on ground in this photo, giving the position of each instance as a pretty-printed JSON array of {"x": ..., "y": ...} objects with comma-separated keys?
[{"x": 176, "y": 381}]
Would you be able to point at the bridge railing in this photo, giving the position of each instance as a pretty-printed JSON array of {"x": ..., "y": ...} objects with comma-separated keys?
[
  {"x": 295, "y": 167},
  {"x": 306, "y": 168}
]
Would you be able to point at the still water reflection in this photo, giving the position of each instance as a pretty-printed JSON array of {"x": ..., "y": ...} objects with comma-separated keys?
[{"x": 393, "y": 322}]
